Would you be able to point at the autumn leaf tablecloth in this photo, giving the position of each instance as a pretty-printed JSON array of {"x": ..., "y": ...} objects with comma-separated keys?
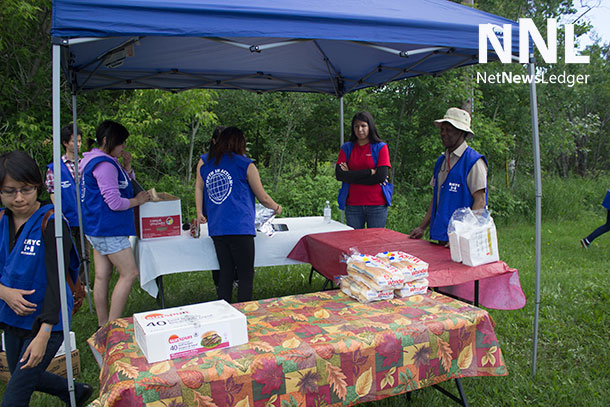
[{"x": 317, "y": 349}]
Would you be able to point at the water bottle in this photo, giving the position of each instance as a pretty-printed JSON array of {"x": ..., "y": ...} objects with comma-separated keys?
[{"x": 327, "y": 212}]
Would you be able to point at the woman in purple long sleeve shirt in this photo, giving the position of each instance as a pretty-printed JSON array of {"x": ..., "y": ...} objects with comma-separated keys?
[{"x": 108, "y": 199}]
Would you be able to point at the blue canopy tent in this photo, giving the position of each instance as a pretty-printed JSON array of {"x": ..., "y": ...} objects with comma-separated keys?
[{"x": 327, "y": 46}]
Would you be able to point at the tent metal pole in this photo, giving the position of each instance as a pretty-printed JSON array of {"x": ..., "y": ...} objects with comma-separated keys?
[
  {"x": 58, "y": 216},
  {"x": 341, "y": 139},
  {"x": 538, "y": 182},
  {"x": 81, "y": 236}
]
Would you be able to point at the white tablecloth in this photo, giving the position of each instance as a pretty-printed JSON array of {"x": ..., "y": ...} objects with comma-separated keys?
[{"x": 162, "y": 256}]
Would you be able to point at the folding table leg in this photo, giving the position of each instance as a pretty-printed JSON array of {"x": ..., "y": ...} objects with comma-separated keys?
[
  {"x": 160, "y": 295},
  {"x": 476, "y": 293},
  {"x": 461, "y": 400},
  {"x": 326, "y": 283}
]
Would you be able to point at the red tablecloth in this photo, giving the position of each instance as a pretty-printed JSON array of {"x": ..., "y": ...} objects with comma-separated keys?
[{"x": 499, "y": 285}]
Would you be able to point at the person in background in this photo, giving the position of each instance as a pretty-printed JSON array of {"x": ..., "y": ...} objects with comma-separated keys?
[
  {"x": 362, "y": 167},
  {"x": 201, "y": 213},
  {"x": 29, "y": 284},
  {"x": 68, "y": 188},
  {"x": 108, "y": 198},
  {"x": 231, "y": 182},
  {"x": 586, "y": 242},
  {"x": 459, "y": 179}
]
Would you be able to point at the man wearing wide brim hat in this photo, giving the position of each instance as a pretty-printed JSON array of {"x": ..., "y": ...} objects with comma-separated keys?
[{"x": 460, "y": 176}]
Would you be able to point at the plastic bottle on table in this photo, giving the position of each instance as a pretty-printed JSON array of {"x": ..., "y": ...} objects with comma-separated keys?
[{"x": 327, "y": 212}]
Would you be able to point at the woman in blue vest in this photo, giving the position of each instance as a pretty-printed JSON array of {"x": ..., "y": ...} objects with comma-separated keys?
[
  {"x": 108, "y": 220},
  {"x": 29, "y": 284},
  {"x": 201, "y": 213},
  {"x": 231, "y": 182},
  {"x": 586, "y": 242},
  {"x": 362, "y": 167}
]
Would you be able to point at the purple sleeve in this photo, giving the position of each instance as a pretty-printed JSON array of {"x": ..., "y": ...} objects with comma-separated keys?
[{"x": 106, "y": 175}]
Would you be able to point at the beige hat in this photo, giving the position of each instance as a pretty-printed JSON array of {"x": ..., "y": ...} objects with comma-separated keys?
[{"x": 460, "y": 119}]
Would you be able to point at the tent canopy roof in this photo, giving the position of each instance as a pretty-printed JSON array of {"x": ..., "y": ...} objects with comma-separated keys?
[{"x": 325, "y": 46}]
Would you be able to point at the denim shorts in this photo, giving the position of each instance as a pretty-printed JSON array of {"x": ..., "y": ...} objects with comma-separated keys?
[{"x": 109, "y": 244}]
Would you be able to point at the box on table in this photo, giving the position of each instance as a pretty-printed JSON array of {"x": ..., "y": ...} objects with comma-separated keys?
[
  {"x": 61, "y": 350},
  {"x": 161, "y": 218},
  {"x": 185, "y": 331},
  {"x": 57, "y": 366},
  {"x": 479, "y": 246}
]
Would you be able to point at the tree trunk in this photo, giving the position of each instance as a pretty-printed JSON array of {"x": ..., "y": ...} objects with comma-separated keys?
[{"x": 189, "y": 168}]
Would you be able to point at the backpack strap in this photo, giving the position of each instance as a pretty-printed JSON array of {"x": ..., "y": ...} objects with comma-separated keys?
[{"x": 45, "y": 220}]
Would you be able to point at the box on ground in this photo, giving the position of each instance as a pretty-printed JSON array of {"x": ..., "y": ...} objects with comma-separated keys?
[
  {"x": 186, "y": 331},
  {"x": 57, "y": 366},
  {"x": 61, "y": 350},
  {"x": 160, "y": 218}
]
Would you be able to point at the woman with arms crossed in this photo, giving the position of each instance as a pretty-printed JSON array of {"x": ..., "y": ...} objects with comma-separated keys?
[{"x": 363, "y": 166}]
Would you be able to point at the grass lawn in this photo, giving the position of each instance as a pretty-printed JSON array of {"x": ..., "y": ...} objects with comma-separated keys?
[{"x": 573, "y": 367}]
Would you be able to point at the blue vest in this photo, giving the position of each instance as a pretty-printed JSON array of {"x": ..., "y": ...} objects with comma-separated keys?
[
  {"x": 606, "y": 202},
  {"x": 386, "y": 187},
  {"x": 24, "y": 268},
  {"x": 454, "y": 193},
  {"x": 98, "y": 218},
  {"x": 227, "y": 196},
  {"x": 68, "y": 194}
]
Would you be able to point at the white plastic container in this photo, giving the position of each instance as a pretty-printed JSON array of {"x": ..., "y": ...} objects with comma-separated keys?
[{"x": 479, "y": 246}]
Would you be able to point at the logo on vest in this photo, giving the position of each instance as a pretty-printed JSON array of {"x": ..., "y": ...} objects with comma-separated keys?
[
  {"x": 65, "y": 184},
  {"x": 453, "y": 186},
  {"x": 29, "y": 247},
  {"x": 219, "y": 185},
  {"x": 123, "y": 184}
]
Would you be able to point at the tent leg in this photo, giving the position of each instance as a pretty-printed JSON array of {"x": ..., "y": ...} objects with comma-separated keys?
[
  {"x": 341, "y": 140},
  {"x": 537, "y": 180},
  {"x": 58, "y": 215},
  {"x": 83, "y": 247}
]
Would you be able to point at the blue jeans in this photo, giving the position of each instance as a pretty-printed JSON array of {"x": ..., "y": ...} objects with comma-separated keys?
[
  {"x": 25, "y": 381},
  {"x": 357, "y": 216},
  {"x": 600, "y": 230}
]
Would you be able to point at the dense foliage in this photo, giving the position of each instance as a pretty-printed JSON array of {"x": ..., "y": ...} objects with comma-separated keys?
[{"x": 294, "y": 138}]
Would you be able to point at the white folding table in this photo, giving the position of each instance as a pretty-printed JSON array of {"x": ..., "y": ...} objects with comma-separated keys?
[{"x": 162, "y": 256}]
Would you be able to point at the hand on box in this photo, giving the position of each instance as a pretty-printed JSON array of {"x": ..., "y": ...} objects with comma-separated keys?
[{"x": 142, "y": 197}]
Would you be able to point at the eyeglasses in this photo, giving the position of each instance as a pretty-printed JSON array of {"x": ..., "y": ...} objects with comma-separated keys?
[{"x": 12, "y": 192}]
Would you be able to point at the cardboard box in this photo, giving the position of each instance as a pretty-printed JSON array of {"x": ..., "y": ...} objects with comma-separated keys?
[
  {"x": 160, "y": 218},
  {"x": 185, "y": 331},
  {"x": 57, "y": 366},
  {"x": 61, "y": 350}
]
